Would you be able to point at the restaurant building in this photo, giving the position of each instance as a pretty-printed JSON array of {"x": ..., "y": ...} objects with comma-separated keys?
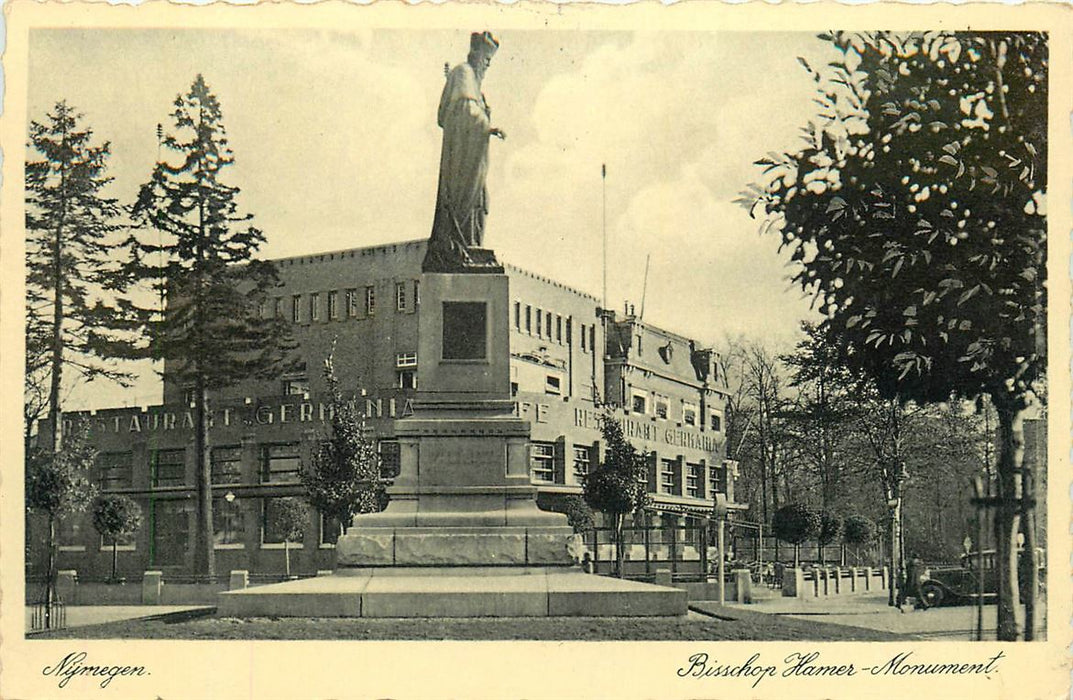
[{"x": 569, "y": 360}]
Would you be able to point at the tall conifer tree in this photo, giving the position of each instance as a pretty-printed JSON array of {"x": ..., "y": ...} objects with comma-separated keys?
[
  {"x": 196, "y": 250},
  {"x": 74, "y": 320}
]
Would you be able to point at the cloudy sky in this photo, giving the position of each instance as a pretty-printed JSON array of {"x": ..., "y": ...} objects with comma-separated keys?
[{"x": 336, "y": 146}]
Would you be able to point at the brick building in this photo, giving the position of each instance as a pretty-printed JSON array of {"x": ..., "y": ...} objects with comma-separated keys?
[{"x": 566, "y": 356}]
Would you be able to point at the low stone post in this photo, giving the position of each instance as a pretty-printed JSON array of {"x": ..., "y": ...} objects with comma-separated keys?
[
  {"x": 853, "y": 573},
  {"x": 837, "y": 574},
  {"x": 743, "y": 586},
  {"x": 793, "y": 583},
  {"x": 663, "y": 577},
  {"x": 867, "y": 578},
  {"x": 886, "y": 574},
  {"x": 67, "y": 586},
  {"x": 152, "y": 587},
  {"x": 240, "y": 580}
]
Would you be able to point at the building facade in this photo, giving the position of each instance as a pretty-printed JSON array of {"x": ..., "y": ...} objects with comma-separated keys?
[{"x": 569, "y": 360}]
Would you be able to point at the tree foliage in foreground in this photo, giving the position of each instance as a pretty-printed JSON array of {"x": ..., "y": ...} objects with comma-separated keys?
[{"x": 915, "y": 211}]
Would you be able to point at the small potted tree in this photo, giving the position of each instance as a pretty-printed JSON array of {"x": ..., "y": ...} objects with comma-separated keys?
[
  {"x": 796, "y": 523},
  {"x": 830, "y": 529},
  {"x": 289, "y": 520},
  {"x": 858, "y": 530},
  {"x": 116, "y": 517}
]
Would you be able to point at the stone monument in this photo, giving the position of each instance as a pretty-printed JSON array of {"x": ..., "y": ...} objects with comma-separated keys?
[
  {"x": 462, "y": 535},
  {"x": 463, "y": 494}
]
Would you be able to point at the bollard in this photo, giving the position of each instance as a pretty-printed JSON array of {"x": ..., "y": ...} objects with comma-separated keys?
[
  {"x": 67, "y": 586},
  {"x": 152, "y": 587},
  {"x": 837, "y": 573},
  {"x": 743, "y": 586},
  {"x": 663, "y": 577},
  {"x": 867, "y": 578},
  {"x": 886, "y": 575},
  {"x": 240, "y": 579},
  {"x": 793, "y": 583},
  {"x": 853, "y": 579}
]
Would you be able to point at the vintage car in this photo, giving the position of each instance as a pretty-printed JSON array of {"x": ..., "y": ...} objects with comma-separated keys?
[{"x": 953, "y": 584}]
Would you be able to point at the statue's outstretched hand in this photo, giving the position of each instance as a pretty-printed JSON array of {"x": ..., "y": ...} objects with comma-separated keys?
[{"x": 498, "y": 133}]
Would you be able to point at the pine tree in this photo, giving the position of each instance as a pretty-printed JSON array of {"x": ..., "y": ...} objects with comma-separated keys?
[
  {"x": 198, "y": 251},
  {"x": 344, "y": 479},
  {"x": 74, "y": 319}
]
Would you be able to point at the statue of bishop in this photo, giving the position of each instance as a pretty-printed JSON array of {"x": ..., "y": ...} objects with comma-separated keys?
[{"x": 456, "y": 243}]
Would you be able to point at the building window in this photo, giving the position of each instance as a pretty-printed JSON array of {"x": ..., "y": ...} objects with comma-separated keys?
[
  {"x": 569, "y": 331},
  {"x": 333, "y": 305},
  {"x": 640, "y": 349},
  {"x": 693, "y": 477},
  {"x": 227, "y": 465},
  {"x": 717, "y": 422},
  {"x": 352, "y": 302},
  {"x": 330, "y": 530},
  {"x": 639, "y": 403},
  {"x": 592, "y": 338},
  {"x": 406, "y": 359},
  {"x": 314, "y": 306},
  {"x": 417, "y": 294},
  {"x": 540, "y": 323},
  {"x": 114, "y": 470},
  {"x": 553, "y": 385},
  {"x": 278, "y": 308},
  {"x": 370, "y": 301},
  {"x": 168, "y": 468},
  {"x": 296, "y": 386},
  {"x": 518, "y": 315},
  {"x": 528, "y": 319},
  {"x": 584, "y": 344},
  {"x": 123, "y": 543},
  {"x": 662, "y": 408},
  {"x": 558, "y": 329},
  {"x": 400, "y": 296},
  {"x": 228, "y": 526},
  {"x": 717, "y": 479},
  {"x": 666, "y": 476},
  {"x": 270, "y": 530},
  {"x": 547, "y": 322},
  {"x": 406, "y": 379},
  {"x": 296, "y": 308},
  {"x": 689, "y": 414},
  {"x": 69, "y": 534},
  {"x": 280, "y": 463},
  {"x": 582, "y": 461},
  {"x": 542, "y": 464},
  {"x": 390, "y": 458}
]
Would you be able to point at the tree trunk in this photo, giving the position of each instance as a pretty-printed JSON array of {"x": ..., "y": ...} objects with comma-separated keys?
[
  {"x": 50, "y": 572},
  {"x": 1029, "y": 557},
  {"x": 115, "y": 556},
  {"x": 1007, "y": 515},
  {"x": 287, "y": 556},
  {"x": 619, "y": 554},
  {"x": 204, "y": 554}
]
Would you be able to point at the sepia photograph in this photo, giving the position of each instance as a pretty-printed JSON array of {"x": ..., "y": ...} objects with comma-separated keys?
[{"x": 563, "y": 328}]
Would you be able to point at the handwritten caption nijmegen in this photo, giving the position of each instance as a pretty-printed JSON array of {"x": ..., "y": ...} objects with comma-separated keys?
[{"x": 811, "y": 665}]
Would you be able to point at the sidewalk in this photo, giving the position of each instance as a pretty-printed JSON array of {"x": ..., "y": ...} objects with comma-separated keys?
[
  {"x": 870, "y": 610},
  {"x": 83, "y": 615}
]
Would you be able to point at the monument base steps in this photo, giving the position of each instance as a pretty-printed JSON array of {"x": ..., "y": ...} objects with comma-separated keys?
[{"x": 455, "y": 592}]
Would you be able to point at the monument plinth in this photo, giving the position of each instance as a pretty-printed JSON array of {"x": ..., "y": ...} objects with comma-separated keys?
[{"x": 463, "y": 496}]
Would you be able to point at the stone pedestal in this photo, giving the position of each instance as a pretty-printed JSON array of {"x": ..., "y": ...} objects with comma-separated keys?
[{"x": 463, "y": 496}]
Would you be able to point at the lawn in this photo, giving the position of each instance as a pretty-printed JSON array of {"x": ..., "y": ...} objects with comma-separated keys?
[{"x": 730, "y": 625}]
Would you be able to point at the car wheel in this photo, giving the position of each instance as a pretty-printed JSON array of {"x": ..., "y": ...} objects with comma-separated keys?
[{"x": 931, "y": 594}]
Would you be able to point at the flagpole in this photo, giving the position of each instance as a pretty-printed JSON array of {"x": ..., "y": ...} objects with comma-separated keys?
[{"x": 603, "y": 178}]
